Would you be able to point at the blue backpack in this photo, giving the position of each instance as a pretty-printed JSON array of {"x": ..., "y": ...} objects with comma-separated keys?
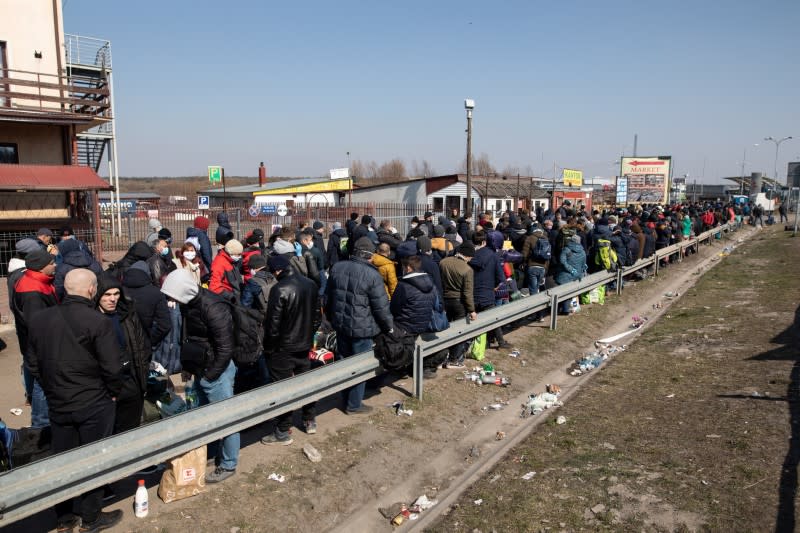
[{"x": 541, "y": 250}]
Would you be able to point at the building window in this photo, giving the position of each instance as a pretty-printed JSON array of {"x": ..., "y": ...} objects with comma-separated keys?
[
  {"x": 9, "y": 154},
  {"x": 438, "y": 204}
]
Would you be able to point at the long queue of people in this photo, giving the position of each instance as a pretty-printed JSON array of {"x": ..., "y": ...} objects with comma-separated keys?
[{"x": 88, "y": 336}]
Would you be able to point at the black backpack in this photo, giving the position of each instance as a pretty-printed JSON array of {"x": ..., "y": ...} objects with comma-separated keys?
[
  {"x": 248, "y": 334},
  {"x": 394, "y": 350}
]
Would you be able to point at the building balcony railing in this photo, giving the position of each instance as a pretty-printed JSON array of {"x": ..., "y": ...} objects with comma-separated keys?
[
  {"x": 25, "y": 94},
  {"x": 87, "y": 51}
]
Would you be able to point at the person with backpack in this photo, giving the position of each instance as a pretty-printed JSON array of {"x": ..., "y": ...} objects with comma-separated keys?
[
  {"x": 207, "y": 352},
  {"x": 293, "y": 317},
  {"x": 571, "y": 265},
  {"x": 337, "y": 246},
  {"x": 536, "y": 253},
  {"x": 255, "y": 296}
]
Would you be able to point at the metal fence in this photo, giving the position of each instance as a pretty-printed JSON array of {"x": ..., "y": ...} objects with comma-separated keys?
[{"x": 38, "y": 486}]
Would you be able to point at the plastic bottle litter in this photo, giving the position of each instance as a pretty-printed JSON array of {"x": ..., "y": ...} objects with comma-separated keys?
[
  {"x": 495, "y": 380},
  {"x": 140, "y": 503},
  {"x": 538, "y": 403},
  {"x": 488, "y": 368}
]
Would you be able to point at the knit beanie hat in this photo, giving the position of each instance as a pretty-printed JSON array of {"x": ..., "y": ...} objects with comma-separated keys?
[
  {"x": 424, "y": 244},
  {"x": 234, "y": 247},
  {"x": 180, "y": 286},
  {"x": 38, "y": 259},
  {"x": 364, "y": 244},
  {"x": 26, "y": 246},
  {"x": 318, "y": 224},
  {"x": 256, "y": 261},
  {"x": 201, "y": 223},
  {"x": 467, "y": 249}
]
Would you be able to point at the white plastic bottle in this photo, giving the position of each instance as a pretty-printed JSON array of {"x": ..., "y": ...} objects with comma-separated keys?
[{"x": 140, "y": 505}]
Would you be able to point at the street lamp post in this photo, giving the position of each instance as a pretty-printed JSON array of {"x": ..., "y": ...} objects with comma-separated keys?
[
  {"x": 469, "y": 105},
  {"x": 777, "y": 147}
]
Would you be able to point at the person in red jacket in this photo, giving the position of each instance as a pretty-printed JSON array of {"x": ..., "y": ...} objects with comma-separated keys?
[
  {"x": 253, "y": 247},
  {"x": 226, "y": 277},
  {"x": 34, "y": 292}
]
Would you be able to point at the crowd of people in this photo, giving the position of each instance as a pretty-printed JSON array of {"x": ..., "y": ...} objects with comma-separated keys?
[{"x": 88, "y": 336}]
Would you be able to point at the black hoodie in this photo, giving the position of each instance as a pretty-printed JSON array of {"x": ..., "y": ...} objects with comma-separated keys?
[
  {"x": 224, "y": 230},
  {"x": 149, "y": 302}
]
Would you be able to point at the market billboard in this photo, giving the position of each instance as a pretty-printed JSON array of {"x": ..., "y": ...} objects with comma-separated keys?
[{"x": 647, "y": 178}]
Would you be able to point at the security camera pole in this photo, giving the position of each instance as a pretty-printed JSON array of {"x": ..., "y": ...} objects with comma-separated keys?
[{"x": 469, "y": 105}]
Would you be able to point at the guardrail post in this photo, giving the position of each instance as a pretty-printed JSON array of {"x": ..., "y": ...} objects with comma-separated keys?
[
  {"x": 656, "y": 263},
  {"x": 418, "y": 371},
  {"x": 680, "y": 253},
  {"x": 553, "y": 310},
  {"x": 619, "y": 281}
]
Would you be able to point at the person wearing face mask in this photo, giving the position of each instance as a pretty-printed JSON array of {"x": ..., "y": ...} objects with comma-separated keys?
[
  {"x": 226, "y": 276},
  {"x": 188, "y": 258},
  {"x": 160, "y": 262}
]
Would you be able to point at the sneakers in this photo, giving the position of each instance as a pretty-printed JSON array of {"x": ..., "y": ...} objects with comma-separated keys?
[
  {"x": 67, "y": 524},
  {"x": 453, "y": 364},
  {"x": 219, "y": 474},
  {"x": 311, "y": 426},
  {"x": 364, "y": 409},
  {"x": 504, "y": 345},
  {"x": 274, "y": 438},
  {"x": 104, "y": 521}
]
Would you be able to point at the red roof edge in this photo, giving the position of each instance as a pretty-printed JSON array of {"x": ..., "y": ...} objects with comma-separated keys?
[{"x": 50, "y": 177}]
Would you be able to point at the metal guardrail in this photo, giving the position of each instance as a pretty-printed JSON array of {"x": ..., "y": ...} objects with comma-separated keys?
[{"x": 40, "y": 485}]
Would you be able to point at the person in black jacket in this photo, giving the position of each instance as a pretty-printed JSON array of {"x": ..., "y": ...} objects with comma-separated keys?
[
  {"x": 200, "y": 232},
  {"x": 139, "y": 251},
  {"x": 334, "y": 252},
  {"x": 72, "y": 256},
  {"x": 412, "y": 305},
  {"x": 75, "y": 355},
  {"x": 224, "y": 230},
  {"x": 358, "y": 309},
  {"x": 488, "y": 274},
  {"x": 135, "y": 347},
  {"x": 293, "y": 316},
  {"x": 388, "y": 234},
  {"x": 150, "y": 304},
  {"x": 160, "y": 262},
  {"x": 362, "y": 230},
  {"x": 208, "y": 354}
]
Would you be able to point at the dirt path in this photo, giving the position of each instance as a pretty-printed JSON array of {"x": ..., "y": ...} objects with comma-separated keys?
[
  {"x": 690, "y": 429},
  {"x": 374, "y": 462}
]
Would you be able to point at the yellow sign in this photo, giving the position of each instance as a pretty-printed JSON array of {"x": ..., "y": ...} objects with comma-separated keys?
[
  {"x": 321, "y": 186},
  {"x": 573, "y": 178}
]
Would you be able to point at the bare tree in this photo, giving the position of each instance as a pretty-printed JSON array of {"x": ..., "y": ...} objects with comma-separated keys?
[
  {"x": 392, "y": 169},
  {"x": 510, "y": 171},
  {"x": 480, "y": 166},
  {"x": 357, "y": 168},
  {"x": 422, "y": 170}
]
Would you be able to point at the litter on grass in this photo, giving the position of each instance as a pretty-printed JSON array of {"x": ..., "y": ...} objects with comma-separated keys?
[
  {"x": 596, "y": 358},
  {"x": 529, "y": 476},
  {"x": 399, "y": 410},
  {"x": 538, "y": 403},
  {"x": 277, "y": 477}
]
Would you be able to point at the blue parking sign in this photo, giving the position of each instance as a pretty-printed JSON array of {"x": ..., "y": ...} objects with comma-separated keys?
[{"x": 203, "y": 202}]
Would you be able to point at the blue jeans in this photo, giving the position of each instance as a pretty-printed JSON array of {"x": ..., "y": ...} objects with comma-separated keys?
[
  {"x": 216, "y": 391},
  {"x": 347, "y": 346},
  {"x": 536, "y": 275},
  {"x": 39, "y": 414}
]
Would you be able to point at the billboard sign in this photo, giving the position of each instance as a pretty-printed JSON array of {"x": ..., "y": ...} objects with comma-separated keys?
[
  {"x": 793, "y": 174},
  {"x": 573, "y": 178},
  {"x": 214, "y": 174},
  {"x": 340, "y": 173},
  {"x": 622, "y": 191},
  {"x": 647, "y": 178}
]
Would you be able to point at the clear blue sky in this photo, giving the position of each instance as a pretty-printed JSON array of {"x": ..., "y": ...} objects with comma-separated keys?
[{"x": 299, "y": 84}]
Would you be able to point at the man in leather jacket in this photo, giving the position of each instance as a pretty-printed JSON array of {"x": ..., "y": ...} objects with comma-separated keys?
[
  {"x": 208, "y": 323},
  {"x": 293, "y": 316}
]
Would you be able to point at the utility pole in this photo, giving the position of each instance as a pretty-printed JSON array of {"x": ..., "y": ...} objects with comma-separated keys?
[{"x": 469, "y": 105}]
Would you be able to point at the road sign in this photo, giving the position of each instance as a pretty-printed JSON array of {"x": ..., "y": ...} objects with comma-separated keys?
[
  {"x": 203, "y": 202},
  {"x": 214, "y": 174},
  {"x": 268, "y": 209},
  {"x": 253, "y": 210},
  {"x": 282, "y": 211}
]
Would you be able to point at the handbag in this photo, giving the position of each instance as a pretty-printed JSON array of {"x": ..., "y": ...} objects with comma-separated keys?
[{"x": 439, "y": 320}]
